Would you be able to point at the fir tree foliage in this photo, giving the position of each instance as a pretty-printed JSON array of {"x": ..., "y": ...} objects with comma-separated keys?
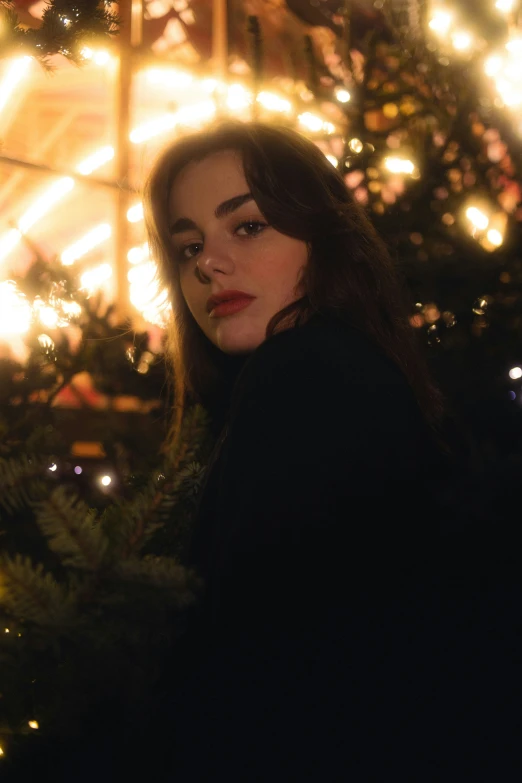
[
  {"x": 93, "y": 595},
  {"x": 66, "y": 27}
]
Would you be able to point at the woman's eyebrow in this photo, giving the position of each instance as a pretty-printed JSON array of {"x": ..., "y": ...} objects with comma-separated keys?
[{"x": 228, "y": 206}]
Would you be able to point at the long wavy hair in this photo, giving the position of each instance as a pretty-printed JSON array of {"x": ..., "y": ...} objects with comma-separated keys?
[{"x": 349, "y": 275}]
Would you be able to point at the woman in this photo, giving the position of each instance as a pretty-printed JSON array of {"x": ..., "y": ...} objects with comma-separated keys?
[{"x": 318, "y": 532}]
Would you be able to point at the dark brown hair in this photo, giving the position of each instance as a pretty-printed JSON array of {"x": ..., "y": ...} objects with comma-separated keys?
[{"x": 350, "y": 274}]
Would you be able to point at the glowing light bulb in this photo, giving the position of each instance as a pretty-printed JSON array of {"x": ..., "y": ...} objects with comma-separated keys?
[
  {"x": 441, "y": 22},
  {"x": 478, "y": 218},
  {"x": 93, "y": 279},
  {"x": 495, "y": 237},
  {"x": 94, "y": 161},
  {"x": 15, "y": 73},
  {"x": 355, "y": 145},
  {"x": 399, "y": 165},
  {"x": 53, "y": 467},
  {"x": 78, "y": 470},
  {"x": 105, "y": 480},
  {"x": 15, "y": 312},
  {"x": 89, "y": 241},
  {"x": 343, "y": 96},
  {"x": 515, "y": 372},
  {"x": 34, "y": 724},
  {"x": 135, "y": 213},
  {"x": 461, "y": 40}
]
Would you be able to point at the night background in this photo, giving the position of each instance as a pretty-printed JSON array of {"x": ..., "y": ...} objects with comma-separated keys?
[{"x": 419, "y": 105}]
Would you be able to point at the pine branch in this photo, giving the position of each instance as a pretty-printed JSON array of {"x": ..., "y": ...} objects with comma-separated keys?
[
  {"x": 65, "y": 27},
  {"x": 29, "y": 593},
  {"x": 72, "y": 530},
  {"x": 21, "y": 481}
]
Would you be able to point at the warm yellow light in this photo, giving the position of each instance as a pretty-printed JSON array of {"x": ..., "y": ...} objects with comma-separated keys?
[
  {"x": 493, "y": 65},
  {"x": 514, "y": 46},
  {"x": 138, "y": 254},
  {"x": 98, "y": 56},
  {"x": 153, "y": 128},
  {"x": 7, "y": 630},
  {"x": 274, "y": 102},
  {"x": 105, "y": 480},
  {"x": 343, "y": 96},
  {"x": 461, "y": 40},
  {"x": 313, "y": 123},
  {"x": 94, "y": 161},
  {"x": 70, "y": 308},
  {"x": 135, "y": 213},
  {"x": 33, "y": 724},
  {"x": 355, "y": 145},
  {"x": 45, "y": 341},
  {"x": 146, "y": 295},
  {"x": 511, "y": 94},
  {"x": 14, "y": 74},
  {"x": 495, "y": 237},
  {"x": 504, "y": 5},
  {"x": 1, "y": 751},
  {"x": 333, "y": 160},
  {"x": 399, "y": 165},
  {"x": 93, "y": 279},
  {"x": 45, "y": 203},
  {"x": 441, "y": 22},
  {"x": 168, "y": 77},
  {"x": 91, "y": 240},
  {"x": 238, "y": 97},
  {"x": 478, "y": 218},
  {"x": 515, "y": 372},
  {"x": 9, "y": 241},
  {"x": 101, "y": 57},
  {"x": 15, "y": 312},
  {"x": 48, "y": 316}
]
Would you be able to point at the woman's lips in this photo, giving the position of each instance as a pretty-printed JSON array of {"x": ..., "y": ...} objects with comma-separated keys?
[{"x": 230, "y": 307}]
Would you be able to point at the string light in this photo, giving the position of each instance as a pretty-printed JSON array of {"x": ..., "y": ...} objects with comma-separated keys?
[
  {"x": 105, "y": 481},
  {"x": 477, "y": 218},
  {"x": 92, "y": 239},
  {"x": 343, "y": 96},
  {"x": 495, "y": 237},
  {"x": 399, "y": 165},
  {"x": 34, "y": 724},
  {"x": 515, "y": 372},
  {"x": 135, "y": 213},
  {"x": 93, "y": 279},
  {"x": 97, "y": 159},
  {"x": 16, "y": 71},
  {"x": 15, "y": 312},
  {"x": 53, "y": 467}
]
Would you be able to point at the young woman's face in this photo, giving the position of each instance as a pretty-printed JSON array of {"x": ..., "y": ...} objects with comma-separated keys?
[{"x": 235, "y": 249}]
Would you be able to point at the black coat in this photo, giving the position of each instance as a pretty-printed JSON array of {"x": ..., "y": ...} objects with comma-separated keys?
[
  {"x": 346, "y": 627},
  {"x": 355, "y": 625}
]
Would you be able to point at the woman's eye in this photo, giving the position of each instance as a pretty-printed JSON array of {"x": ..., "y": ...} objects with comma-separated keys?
[
  {"x": 257, "y": 226},
  {"x": 181, "y": 255},
  {"x": 252, "y": 223}
]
